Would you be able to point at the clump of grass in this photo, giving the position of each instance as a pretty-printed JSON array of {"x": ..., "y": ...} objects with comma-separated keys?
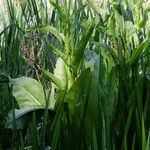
[{"x": 93, "y": 64}]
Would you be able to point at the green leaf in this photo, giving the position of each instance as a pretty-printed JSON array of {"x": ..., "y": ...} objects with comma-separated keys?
[
  {"x": 79, "y": 52},
  {"x": 77, "y": 90},
  {"x": 127, "y": 127},
  {"x": 109, "y": 103},
  {"x": 144, "y": 20},
  {"x": 95, "y": 142},
  {"x": 64, "y": 18},
  {"x": 106, "y": 47},
  {"x": 92, "y": 114},
  {"x": 60, "y": 54},
  {"x": 143, "y": 134},
  {"x": 48, "y": 75},
  {"x": 93, "y": 6},
  {"x": 112, "y": 29},
  {"x": 127, "y": 14},
  {"x": 133, "y": 142},
  {"x": 131, "y": 32},
  {"x": 20, "y": 118},
  {"x": 60, "y": 81},
  {"x": 78, "y": 11},
  {"x": 57, "y": 122},
  {"x": 56, "y": 127},
  {"x": 119, "y": 22},
  {"x": 137, "y": 51},
  {"x": 27, "y": 91}
]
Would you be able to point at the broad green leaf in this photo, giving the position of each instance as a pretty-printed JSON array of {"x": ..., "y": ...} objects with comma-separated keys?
[
  {"x": 20, "y": 116},
  {"x": 119, "y": 22},
  {"x": 27, "y": 91},
  {"x": 78, "y": 89},
  {"x": 131, "y": 32},
  {"x": 60, "y": 74},
  {"x": 93, "y": 116},
  {"x": 111, "y": 89},
  {"x": 108, "y": 103},
  {"x": 60, "y": 71}
]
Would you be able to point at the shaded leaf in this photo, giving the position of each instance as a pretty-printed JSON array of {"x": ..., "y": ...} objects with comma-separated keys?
[
  {"x": 137, "y": 51},
  {"x": 19, "y": 118}
]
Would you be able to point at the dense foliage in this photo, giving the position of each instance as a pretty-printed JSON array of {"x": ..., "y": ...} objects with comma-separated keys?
[{"x": 75, "y": 75}]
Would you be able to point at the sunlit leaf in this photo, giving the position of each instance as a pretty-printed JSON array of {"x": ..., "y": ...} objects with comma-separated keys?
[{"x": 27, "y": 91}]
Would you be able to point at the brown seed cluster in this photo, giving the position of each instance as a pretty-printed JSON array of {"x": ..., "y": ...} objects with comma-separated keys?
[{"x": 31, "y": 45}]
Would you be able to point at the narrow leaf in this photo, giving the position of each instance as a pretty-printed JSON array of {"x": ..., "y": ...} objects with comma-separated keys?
[
  {"x": 137, "y": 51},
  {"x": 48, "y": 75},
  {"x": 78, "y": 54},
  {"x": 60, "y": 54},
  {"x": 143, "y": 135},
  {"x": 63, "y": 15}
]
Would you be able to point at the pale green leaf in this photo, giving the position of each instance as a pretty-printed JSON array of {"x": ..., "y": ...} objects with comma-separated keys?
[{"x": 27, "y": 91}]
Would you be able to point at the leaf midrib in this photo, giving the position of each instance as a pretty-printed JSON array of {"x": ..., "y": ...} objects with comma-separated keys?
[{"x": 29, "y": 93}]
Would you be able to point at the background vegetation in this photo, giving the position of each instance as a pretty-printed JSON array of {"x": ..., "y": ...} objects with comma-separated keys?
[{"x": 75, "y": 75}]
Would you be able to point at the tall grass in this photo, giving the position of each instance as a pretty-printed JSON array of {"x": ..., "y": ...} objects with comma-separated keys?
[{"x": 93, "y": 64}]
